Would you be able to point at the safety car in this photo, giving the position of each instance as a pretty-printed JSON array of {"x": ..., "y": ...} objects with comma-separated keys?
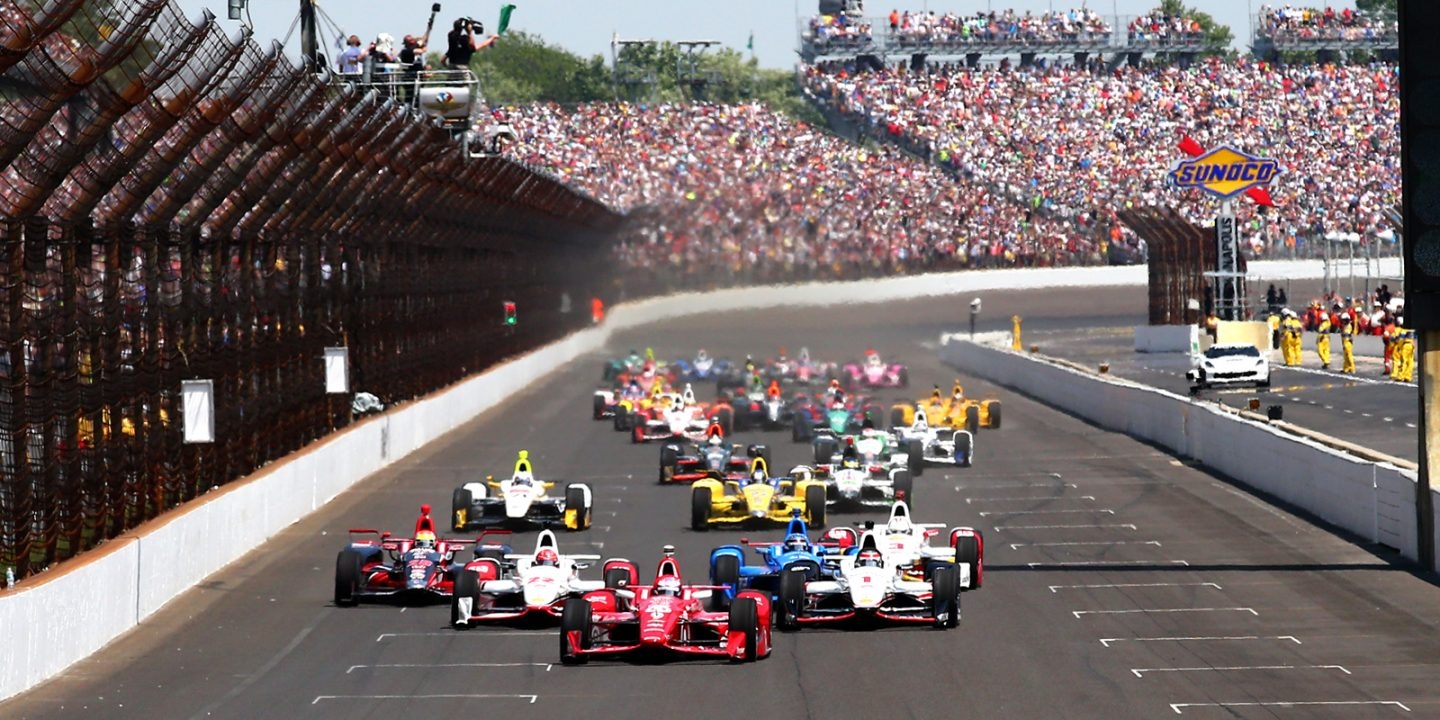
[{"x": 1230, "y": 364}]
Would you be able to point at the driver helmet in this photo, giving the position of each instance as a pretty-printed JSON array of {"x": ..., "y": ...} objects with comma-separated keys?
[
  {"x": 522, "y": 478},
  {"x": 869, "y": 558},
  {"x": 716, "y": 439},
  {"x": 425, "y": 540},
  {"x": 702, "y": 356},
  {"x": 757, "y": 476},
  {"x": 547, "y": 556},
  {"x": 668, "y": 586},
  {"x": 796, "y": 543},
  {"x": 898, "y": 524},
  {"x": 921, "y": 422}
]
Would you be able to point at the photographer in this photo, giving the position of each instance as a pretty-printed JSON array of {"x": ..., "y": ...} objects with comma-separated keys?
[{"x": 462, "y": 42}]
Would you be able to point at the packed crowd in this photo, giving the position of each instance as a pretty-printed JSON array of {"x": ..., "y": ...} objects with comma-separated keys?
[
  {"x": 999, "y": 27},
  {"x": 741, "y": 191},
  {"x": 1158, "y": 28},
  {"x": 1308, "y": 23},
  {"x": 1081, "y": 143},
  {"x": 839, "y": 31}
]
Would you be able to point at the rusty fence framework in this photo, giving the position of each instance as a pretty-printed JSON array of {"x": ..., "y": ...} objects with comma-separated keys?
[{"x": 178, "y": 202}]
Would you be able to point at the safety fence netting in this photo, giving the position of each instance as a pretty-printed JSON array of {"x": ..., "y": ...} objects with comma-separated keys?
[{"x": 178, "y": 202}]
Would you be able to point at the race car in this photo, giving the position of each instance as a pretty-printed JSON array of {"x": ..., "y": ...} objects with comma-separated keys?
[
  {"x": 869, "y": 587},
  {"x": 874, "y": 372},
  {"x": 939, "y": 445},
  {"x": 631, "y": 364},
  {"x": 679, "y": 415},
  {"x": 513, "y": 586},
  {"x": 764, "y": 410},
  {"x": 958, "y": 411},
  {"x": 818, "y": 559},
  {"x": 854, "y": 483},
  {"x": 756, "y": 499},
  {"x": 520, "y": 502},
  {"x": 664, "y": 618},
  {"x": 803, "y": 370},
  {"x": 416, "y": 569},
  {"x": 701, "y": 368},
  {"x": 873, "y": 448},
  {"x": 906, "y": 546},
  {"x": 831, "y": 413},
  {"x": 683, "y": 461}
]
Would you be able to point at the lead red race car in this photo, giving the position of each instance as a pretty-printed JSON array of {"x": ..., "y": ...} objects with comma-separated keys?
[
  {"x": 667, "y": 617},
  {"x": 416, "y": 569}
]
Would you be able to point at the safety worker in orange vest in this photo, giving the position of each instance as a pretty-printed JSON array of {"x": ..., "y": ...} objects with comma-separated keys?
[
  {"x": 1290, "y": 345},
  {"x": 1322, "y": 341},
  {"x": 1212, "y": 326},
  {"x": 1347, "y": 343},
  {"x": 597, "y": 310},
  {"x": 1273, "y": 320}
]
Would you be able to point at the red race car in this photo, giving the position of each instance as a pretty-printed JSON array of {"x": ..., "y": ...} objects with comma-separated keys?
[
  {"x": 419, "y": 568},
  {"x": 667, "y": 617}
]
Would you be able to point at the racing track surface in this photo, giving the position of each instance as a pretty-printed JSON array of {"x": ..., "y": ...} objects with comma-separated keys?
[{"x": 1120, "y": 584}]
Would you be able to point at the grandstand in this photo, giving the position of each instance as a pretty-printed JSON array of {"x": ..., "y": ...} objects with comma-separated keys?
[
  {"x": 1328, "y": 32},
  {"x": 1080, "y": 34}
]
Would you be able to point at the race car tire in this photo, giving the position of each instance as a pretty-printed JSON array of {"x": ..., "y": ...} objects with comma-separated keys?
[
  {"x": 725, "y": 418},
  {"x": 945, "y": 597},
  {"x": 964, "y": 450},
  {"x": 972, "y": 418},
  {"x": 916, "y": 450},
  {"x": 597, "y": 405},
  {"x": 825, "y": 449},
  {"x": 669, "y": 460},
  {"x": 347, "y": 577},
  {"x": 460, "y": 501},
  {"x": 700, "y": 509},
  {"x": 575, "y": 500},
  {"x": 727, "y": 572},
  {"x": 897, "y": 418},
  {"x": 904, "y": 487},
  {"x": 792, "y": 600},
  {"x": 904, "y": 377},
  {"x": 467, "y": 584},
  {"x": 967, "y": 550},
  {"x": 799, "y": 429},
  {"x": 746, "y": 618},
  {"x": 995, "y": 414},
  {"x": 575, "y": 618},
  {"x": 815, "y": 506}
]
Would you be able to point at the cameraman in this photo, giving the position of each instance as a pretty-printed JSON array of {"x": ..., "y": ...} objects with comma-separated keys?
[{"x": 462, "y": 43}]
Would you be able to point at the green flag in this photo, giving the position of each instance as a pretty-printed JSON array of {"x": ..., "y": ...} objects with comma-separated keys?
[
  {"x": 505, "y": 11},
  {"x": 751, "y": 44}
]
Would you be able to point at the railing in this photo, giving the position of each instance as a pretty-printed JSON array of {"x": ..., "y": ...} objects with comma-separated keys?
[{"x": 178, "y": 203}]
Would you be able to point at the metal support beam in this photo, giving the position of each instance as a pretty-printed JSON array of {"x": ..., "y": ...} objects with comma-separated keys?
[{"x": 1428, "y": 352}]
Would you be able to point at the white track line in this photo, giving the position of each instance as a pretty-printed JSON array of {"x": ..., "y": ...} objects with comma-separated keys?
[
  {"x": 530, "y": 698},
  {"x": 1140, "y": 672},
  {"x": 1112, "y": 526},
  {"x": 1106, "y": 641},
  {"x": 382, "y": 636},
  {"x": 1078, "y": 613},
  {"x": 1056, "y": 588},
  {"x": 1028, "y": 498},
  {"x": 1108, "y": 563},
  {"x": 988, "y": 513},
  {"x": 547, "y": 666},
  {"x": 1179, "y": 707},
  {"x": 1016, "y": 546}
]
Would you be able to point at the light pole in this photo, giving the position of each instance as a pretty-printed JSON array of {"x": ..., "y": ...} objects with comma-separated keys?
[{"x": 974, "y": 312}]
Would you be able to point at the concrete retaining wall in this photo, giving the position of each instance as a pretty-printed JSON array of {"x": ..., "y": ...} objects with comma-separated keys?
[
  {"x": 55, "y": 619},
  {"x": 1373, "y": 500}
]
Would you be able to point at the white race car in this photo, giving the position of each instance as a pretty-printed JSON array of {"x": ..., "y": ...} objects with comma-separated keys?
[
  {"x": 519, "y": 502},
  {"x": 939, "y": 445},
  {"x": 1229, "y": 364},
  {"x": 870, "y": 586},
  {"x": 513, "y": 586},
  {"x": 906, "y": 546}
]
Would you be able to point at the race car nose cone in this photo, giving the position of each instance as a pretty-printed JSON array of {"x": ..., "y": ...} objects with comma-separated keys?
[{"x": 757, "y": 513}]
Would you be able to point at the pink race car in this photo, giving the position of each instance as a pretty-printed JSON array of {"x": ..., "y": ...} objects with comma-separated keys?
[{"x": 876, "y": 373}]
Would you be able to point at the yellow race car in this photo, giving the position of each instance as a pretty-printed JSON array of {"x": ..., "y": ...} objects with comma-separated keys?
[
  {"x": 956, "y": 411},
  {"x": 759, "y": 499}
]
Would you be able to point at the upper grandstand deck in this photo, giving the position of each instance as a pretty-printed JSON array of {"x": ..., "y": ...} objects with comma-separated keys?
[{"x": 1308, "y": 29}]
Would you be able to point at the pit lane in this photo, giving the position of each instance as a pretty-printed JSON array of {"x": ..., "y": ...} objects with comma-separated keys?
[{"x": 1121, "y": 582}]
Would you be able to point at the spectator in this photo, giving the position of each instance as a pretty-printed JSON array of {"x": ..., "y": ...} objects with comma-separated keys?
[{"x": 351, "y": 58}]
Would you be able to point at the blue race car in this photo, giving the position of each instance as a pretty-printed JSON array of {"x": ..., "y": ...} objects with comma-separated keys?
[
  {"x": 703, "y": 367},
  {"x": 818, "y": 560}
]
